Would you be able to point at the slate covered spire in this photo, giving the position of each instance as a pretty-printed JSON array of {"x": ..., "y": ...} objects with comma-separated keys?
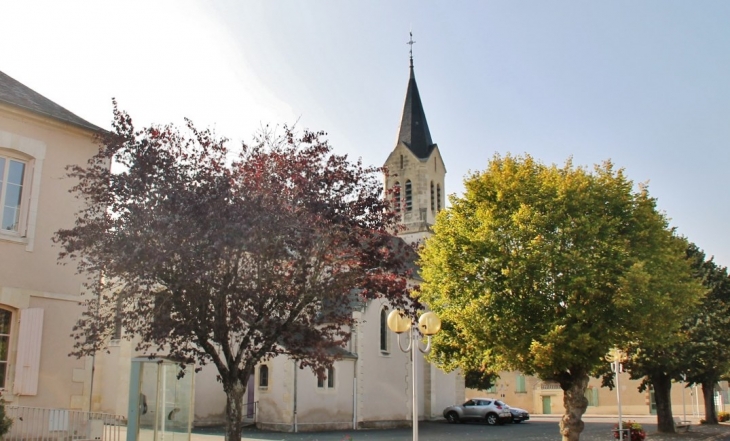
[{"x": 413, "y": 126}]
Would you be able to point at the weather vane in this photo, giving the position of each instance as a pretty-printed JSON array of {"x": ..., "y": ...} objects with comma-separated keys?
[{"x": 410, "y": 43}]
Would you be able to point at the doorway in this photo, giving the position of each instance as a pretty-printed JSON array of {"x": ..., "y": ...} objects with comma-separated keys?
[
  {"x": 250, "y": 396},
  {"x": 546, "y": 405}
]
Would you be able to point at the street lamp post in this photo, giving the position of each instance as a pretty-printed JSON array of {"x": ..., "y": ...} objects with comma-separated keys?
[
  {"x": 616, "y": 357},
  {"x": 428, "y": 325}
]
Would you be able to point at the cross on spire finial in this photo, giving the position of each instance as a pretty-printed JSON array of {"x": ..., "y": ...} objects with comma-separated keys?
[{"x": 410, "y": 43}]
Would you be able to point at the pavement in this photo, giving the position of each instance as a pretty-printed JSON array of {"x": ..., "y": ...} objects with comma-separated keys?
[{"x": 538, "y": 428}]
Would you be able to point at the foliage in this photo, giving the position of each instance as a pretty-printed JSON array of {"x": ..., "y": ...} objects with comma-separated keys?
[
  {"x": 230, "y": 259},
  {"x": 707, "y": 351},
  {"x": 543, "y": 269},
  {"x": 723, "y": 416},
  {"x": 699, "y": 352},
  {"x": 636, "y": 430},
  {"x": 5, "y": 421},
  {"x": 480, "y": 379}
]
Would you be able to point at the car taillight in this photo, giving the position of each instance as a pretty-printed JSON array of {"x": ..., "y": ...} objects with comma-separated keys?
[{"x": 498, "y": 406}]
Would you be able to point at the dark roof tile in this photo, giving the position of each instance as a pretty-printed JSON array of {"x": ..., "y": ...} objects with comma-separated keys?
[{"x": 16, "y": 94}]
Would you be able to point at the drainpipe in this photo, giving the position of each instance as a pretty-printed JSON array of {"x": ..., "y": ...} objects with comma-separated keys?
[
  {"x": 354, "y": 395},
  {"x": 296, "y": 428}
]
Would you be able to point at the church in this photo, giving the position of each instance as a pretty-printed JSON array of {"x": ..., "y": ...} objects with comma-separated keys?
[{"x": 371, "y": 385}]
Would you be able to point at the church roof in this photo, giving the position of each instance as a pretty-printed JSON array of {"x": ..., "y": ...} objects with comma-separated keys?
[
  {"x": 413, "y": 126},
  {"x": 16, "y": 94}
]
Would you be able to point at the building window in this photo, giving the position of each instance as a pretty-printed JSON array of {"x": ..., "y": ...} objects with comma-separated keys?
[
  {"x": 520, "y": 386},
  {"x": 330, "y": 378},
  {"x": 5, "y": 323},
  {"x": 591, "y": 395},
  {"x": 263, "y": 376},
  {"x": 438, "y": 197},
  {"x": 396, "y": 196},
  {"x": 21, "y": 167},
  {"x": 409, "y": 196},
  {"x": 12, "y": 175},
  {"x": 401, "y": 162},
  {"x": 433, "y": 198},
  {"x": 384, "y": 330}
]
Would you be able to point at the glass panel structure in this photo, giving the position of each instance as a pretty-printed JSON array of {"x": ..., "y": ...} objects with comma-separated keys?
[{"x": 160, "y": 403}]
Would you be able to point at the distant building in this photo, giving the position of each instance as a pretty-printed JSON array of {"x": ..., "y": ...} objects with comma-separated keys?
[
  {"x": 39, "y": 299},
  {"x": 545, "y": 397}
]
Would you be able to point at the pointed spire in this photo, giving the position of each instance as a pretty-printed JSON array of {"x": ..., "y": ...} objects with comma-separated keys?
[{"x": 414, "y": 131}]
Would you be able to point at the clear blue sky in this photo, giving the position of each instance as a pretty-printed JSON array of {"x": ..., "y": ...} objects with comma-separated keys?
[{"x": 645, "y": 84}]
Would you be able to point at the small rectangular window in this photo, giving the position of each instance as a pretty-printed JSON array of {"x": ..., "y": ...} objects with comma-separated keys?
[{"x": 329, "y": 380}]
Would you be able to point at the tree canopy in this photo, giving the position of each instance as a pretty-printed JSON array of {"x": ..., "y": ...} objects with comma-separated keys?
[
  {"x": 211, "y": 256},
  {"x": 697, "y": 353},
  {"x": 543, "y": 269},
  {"x": 706, "y": 349}
]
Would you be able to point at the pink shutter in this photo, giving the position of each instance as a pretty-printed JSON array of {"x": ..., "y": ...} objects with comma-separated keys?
[{"x": 29, "y": 351}]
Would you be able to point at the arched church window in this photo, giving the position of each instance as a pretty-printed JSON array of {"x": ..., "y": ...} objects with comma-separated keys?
[
  {"x": 384, "y": 330},
  {"x": 263, "y": 376},
  {"x": 396, "y": 196},
  {"x": 409, "y": 196},
  {"x": 438, "y": 197},
  {"x": 433, "y": 198}
]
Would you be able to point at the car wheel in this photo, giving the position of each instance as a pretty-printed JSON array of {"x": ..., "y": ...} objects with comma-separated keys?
[
  {"x": 492, "y": 419},
  {"x": 452, "y": 417}
]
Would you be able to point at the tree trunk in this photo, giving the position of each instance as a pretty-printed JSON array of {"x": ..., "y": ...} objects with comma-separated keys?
[
  {"x": 235, "y": 391},
  {"x": 708, "y": 393},
  {"x": 575, "y": 402},
  {"x": 662, "y": 385}
]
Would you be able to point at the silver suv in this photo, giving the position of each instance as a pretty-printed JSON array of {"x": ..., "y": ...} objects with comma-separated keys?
[{"x": 479, "y": 409}]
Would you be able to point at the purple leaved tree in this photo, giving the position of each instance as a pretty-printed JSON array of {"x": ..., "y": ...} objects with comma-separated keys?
[{"x": 213, "y": 257}]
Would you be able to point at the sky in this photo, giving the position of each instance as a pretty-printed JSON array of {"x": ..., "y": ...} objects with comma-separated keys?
[{"x": 644, "y": 84}]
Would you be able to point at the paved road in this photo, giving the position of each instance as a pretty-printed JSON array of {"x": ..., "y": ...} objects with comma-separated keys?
[{"x": 537, "y": 429}]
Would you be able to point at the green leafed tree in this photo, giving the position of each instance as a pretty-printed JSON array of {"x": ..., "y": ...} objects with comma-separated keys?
[
  {"x": 543, "y": 269},
  {"x": 698, "y": 352},
  {"x": 707, "y": 349},
  {"x": 480, "y": 379}
]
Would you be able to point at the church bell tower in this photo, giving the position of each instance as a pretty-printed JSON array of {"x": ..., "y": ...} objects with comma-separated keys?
[{"x": 416, "y": 171}]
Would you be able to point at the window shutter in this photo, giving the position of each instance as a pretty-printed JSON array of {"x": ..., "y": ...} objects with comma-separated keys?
[
  {"x": 29, "y": 351},
  {"x": 520, "y": 383}
]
